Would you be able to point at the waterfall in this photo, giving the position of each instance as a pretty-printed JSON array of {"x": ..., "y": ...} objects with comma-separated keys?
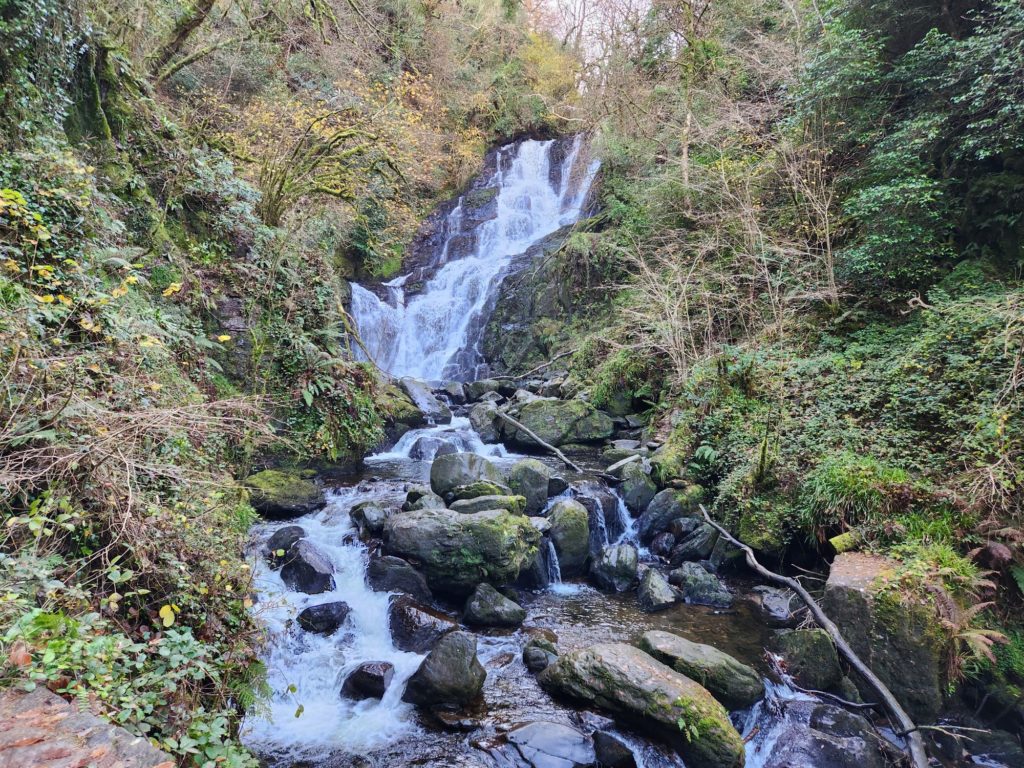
[
  {"x": 435, "y": 334},
  {"x": 554, "y": 569}
]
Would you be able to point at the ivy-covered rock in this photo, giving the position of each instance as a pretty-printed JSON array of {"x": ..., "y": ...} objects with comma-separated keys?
[
  {"x": 730, "y": 681},
  {"x": 282, "y": 493},
  {"x": 559, "y": 422},
  {"x": 627, "y": 682},
  {"x": 570, "y": 533},
  {"x": 458, "y": 551}
]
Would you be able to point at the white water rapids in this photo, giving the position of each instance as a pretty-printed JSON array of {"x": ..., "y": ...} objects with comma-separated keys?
[{"x": 434, "y": 334}]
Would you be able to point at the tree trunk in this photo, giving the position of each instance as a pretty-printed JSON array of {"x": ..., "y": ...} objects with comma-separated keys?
[{"x": 186, "y": 24}]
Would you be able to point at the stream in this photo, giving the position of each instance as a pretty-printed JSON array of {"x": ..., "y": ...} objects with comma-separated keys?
[{"x": 433, "y": 333}]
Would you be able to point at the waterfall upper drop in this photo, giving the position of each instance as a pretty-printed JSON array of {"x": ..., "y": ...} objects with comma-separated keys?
[{"x": 535, "y": 189}]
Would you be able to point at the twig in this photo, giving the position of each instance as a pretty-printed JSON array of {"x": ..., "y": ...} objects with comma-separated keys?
[
  {"x": 540, "y": 367},
  {"x": 915, "y": 744},
  {"x": 533, "y": 436}
]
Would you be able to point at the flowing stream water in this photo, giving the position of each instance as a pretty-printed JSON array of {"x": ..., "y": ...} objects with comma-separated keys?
[{"x": 435, "y": 335}]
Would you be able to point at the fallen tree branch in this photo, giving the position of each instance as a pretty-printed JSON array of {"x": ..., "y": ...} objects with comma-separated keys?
[
  {"x": 540, "y": 367},
  {"x": 533, "y": 436},
  {"x": 915, "y": 744}
]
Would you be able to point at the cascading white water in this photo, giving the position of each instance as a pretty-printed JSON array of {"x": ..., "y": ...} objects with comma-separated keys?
[
  {"x": 307, "y": 670},
  {"x": 423, "y": 335}
]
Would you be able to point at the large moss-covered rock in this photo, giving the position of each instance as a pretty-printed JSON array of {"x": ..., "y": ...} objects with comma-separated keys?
[
  {"x": 730, "y": 681},
  {"x": 666, "y": 506},
  {"x": 451, "y": 675},
  {"x": 811, "y": 658},
  {"x": 455, "y": 471},
  {"x": 530, "y": 479},
  {"x": 625, "y": 681},
  {"x": 570, "y": 533},
  {"x": 514, "y": 504},
  {"x": 559, "y": 422},
  {"x": 457, "y": 551},
  {"x": 281, "y": 493},
  {"x": 901, "y": 638}
]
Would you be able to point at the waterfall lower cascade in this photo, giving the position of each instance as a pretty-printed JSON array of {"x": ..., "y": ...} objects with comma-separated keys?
[{"x": 434, "y": 335}]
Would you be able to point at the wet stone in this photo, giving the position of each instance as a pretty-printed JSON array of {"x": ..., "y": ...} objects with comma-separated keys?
[
  {"x": 325, "y": 618},
  {"x": 416, "y": 627},
  {"x": 280, "y": 542},
  {"x": 369, "y": 680}
]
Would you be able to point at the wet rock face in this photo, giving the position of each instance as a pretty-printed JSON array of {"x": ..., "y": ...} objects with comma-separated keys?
[
  {"x": 416, "y": 627},
  {"x": 615, "y": 570},
  {"x": 539, "y": 654},
  {"x": 369, "y": 680},
  {"x": 570, "y": 533},
  {"x": 548, "y": 745},
  {"x": 696, "y": 546},
  {"x": 666, "y": 506},
  {"x": 281, "y": 494},
  {"x": 277, "y": 546},
  {"x": 307, "y": 569},
  {"x": 902, "y": 642},
  {"x": 457, "y": 551},
  {"x": 451, "y": 675},
  {"x": 514, "y": 504},
  {"x": 41, "y": 729},
  {"x": 730, "y": 681},
  {"x": 811, "y": 658},
  {"x": 637, "y": 488},
  {"x": 487, "y": 607},
  {"x": 483, "y": 419},
  {"x": 426, "y": 401},
  {"x": 700, "y": 587},
  {"x": 612, "y": 752},
  {"x": 824, "y": 736},
  {"x": 393, "y": 574},
  {"x": 325, "y": 618},
  {"x": 777, "y": 607},
  {"x": 625, "y": 681},
  {"x": 369, "y": 518},
  {"x": 655, "y": 593}
]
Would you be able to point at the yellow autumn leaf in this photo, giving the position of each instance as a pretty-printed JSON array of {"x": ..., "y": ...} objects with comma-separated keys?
[
  {"x": 172, "y": 289},
  {"x": 43, "y": 299},
  {"x": 223, "y": 337},
  {"x": 167, "y": 615}
]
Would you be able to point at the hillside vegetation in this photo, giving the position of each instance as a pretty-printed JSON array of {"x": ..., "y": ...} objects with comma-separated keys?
[{"x": 806, "y": 265}]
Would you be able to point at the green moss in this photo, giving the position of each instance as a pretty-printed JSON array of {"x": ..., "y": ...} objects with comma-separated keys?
[{"x": 480, "y": 197}]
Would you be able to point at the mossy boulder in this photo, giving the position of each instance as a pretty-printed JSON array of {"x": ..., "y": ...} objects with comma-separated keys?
[
  {"x": 697, "y": 545},
  {"x": 631, "y": 684},
  {"x": 898, "y": 635},
  {"x": 455, "y": 471},
  {"x": 570, "y": 533},
  {"x": 654, "y": 592},
  {"x": 666, "y": 506},
  {"x": 400, "y": 412},
  {"x": 669, "y": 461},
  {"x": 282, "y": 493},
  {"x": 530, "y": 478},
  {"x": 559, "y": 422},
  {"x": 484, "y": 420},
  {"x": 457, "y": 551},
  {"x": 811, "y": 658},
  {"x": 514, "y": 504},
  {"x": 730, "y": 681}
]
